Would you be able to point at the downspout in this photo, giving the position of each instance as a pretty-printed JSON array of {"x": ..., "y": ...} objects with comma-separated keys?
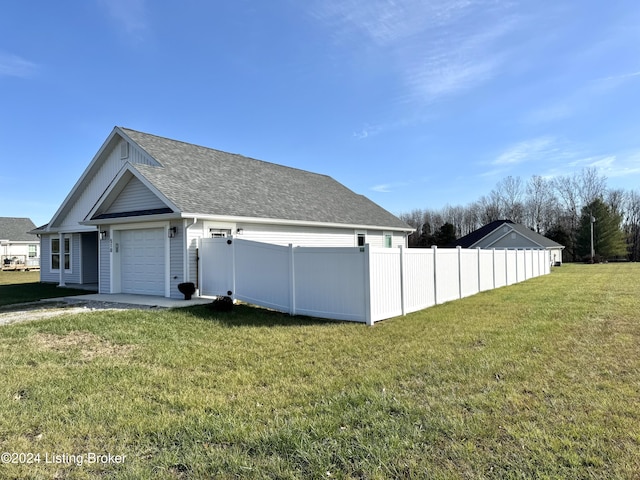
[{"x": 186, "y": 255}]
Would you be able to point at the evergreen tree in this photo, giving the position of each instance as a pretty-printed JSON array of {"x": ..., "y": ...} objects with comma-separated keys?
[
  {"x": 608, "y": 237},
  {"x": 445, "y": 235}
]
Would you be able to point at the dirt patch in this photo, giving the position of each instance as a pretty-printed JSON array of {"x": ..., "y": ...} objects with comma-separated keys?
[
  {"x": 89, "y": 345},
  {"x": 40, "y": 310}
]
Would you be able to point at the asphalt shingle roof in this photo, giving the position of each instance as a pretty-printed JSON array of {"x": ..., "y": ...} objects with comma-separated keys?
[
  {"x": 205, "y": 181},
  {"x": 471, "y": 239},
  {"x": 13, "y": 228}
]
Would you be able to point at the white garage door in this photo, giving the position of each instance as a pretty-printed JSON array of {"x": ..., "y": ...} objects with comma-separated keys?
[{"x": 142, "y": 261}]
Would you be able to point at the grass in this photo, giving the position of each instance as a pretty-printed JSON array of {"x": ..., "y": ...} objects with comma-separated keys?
[
  {"x": 22, "y": 287},
  {"x": 536, "y": 380}
]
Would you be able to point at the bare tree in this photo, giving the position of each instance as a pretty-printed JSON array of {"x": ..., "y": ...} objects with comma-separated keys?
[
  {"x": 510, "y": 192},
  {"x": 591, "y": 185},
  {"x": 631, "y": 224},
  {"x": 541, "y": 204}
]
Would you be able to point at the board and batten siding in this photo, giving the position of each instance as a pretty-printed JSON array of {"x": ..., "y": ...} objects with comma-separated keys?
[
  {"x": 135, "y": 196},
  {"x": 100, "y": 181}
]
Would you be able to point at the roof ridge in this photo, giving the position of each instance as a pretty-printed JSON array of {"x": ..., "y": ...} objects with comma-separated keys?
[{"x": 125, "y": 129}]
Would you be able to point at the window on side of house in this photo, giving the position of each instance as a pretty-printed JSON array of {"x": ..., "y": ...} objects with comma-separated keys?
[
  {"x": 219, "y": 232},
  {"x": 33, "y": 251},
  {"x": 388, "y": 240},
  {"x": 56, "y": 253}
]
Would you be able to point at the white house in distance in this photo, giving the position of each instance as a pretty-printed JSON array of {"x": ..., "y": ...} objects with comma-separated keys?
[
  {"x": 132, "y": 221},
  {"x": 504, "y": 234},
  {"x": 18, "y": 248}
]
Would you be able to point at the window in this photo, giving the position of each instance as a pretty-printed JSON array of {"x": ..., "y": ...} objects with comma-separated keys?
[
  {"x": 219, "y": 232},
  {"x": 33, "y": 251},
  {"x": 55, "y": 253},
  {"x": 361, "y": 238},
  {"x": 388, "y": 240}
]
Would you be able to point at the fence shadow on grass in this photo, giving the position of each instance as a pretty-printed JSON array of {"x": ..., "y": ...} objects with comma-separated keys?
[{"x": 245, "y": 315}]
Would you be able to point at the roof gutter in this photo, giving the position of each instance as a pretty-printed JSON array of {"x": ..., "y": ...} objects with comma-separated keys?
[{"x": 281, "y": 221}]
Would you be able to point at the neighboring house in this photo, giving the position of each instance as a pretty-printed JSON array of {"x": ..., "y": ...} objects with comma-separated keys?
[
  {"x": 132, "y": 222},
  {"x": 504, "y": 234},
  {"x": 18, "y": 248}
]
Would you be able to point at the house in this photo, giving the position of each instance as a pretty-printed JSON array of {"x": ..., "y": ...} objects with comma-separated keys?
[
  {"x": 504, "y": 234},
  {"x": 18, "y": 248},
  {"x": 132, "y": 222}
]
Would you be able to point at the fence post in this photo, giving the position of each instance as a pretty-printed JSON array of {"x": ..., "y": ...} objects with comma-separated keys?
[
  {"x": 506, "y": 266},
  {"x": 233, "y": 267},
  {"x": 292, "y": 281},
  {"x": 402, "y": 282},
  {"x": 459, "y": 248},
  {"x": 367, "y": 285},
  {"x": 479, "y": 271},
  {"x": 493, "y": 260},
  {"x": 434, "y": 248}
]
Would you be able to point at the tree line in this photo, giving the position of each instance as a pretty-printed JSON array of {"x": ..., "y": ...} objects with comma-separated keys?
[{"x": 563, "y": 209}]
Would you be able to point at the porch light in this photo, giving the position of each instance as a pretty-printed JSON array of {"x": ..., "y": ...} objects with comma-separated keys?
[
  {"x": 173, "y": 231},
  {"x": 104, "y": 235}
]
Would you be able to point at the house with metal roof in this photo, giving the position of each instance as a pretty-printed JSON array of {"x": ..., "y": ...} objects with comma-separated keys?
[
  {"x": 132, "y": 222},
  {"x": 19, "y": 250},
  {"x": 505, "y": 234}
]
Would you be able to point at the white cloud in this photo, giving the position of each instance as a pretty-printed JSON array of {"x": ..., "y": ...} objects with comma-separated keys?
[
  {"x": 526, "y": 151},
  {"x": 389, "y": 187},
  {"x": 130, "y": 15},
  {"x": 612, "y": 165},
  {"x": 367, "y": 131},
  {"x": 437, "y": 48},
  {"x": 15, "y": 66}
]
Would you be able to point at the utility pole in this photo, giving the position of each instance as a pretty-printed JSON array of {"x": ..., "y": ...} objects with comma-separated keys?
[{"x": 593, "y": 252}]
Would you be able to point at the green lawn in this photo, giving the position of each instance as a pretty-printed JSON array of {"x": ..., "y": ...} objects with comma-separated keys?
[
  {"x": 536, "y": 380},
  {"x": 21, "y": 287}
]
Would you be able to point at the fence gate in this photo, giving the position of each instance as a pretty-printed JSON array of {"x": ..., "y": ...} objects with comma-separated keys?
[{"x": 216, "y": 269}]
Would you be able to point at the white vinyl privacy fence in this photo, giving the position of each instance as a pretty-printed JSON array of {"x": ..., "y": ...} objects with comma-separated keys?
[{"x": 361, "y": 284}]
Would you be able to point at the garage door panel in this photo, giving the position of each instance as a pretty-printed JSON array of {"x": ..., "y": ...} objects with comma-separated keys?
[{"x": 143, "y": 261}]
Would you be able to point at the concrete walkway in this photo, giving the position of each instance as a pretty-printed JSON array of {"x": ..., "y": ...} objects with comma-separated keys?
[{"x": 142, "y": 300}]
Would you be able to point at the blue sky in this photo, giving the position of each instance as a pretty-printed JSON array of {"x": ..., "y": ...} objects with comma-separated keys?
[{"x": 413, "y": 103}]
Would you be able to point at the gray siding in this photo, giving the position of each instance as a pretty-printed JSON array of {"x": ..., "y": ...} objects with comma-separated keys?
[
  {"x": 45, "y": 261},
  {"x": 135, "y": 196},
  {"x": 193, "y": 234},
  {"x": 74, "y": 275},
  {"x": 176, "y": 265},
  {"x": 104, "y": 266},
  {"x": 46, "y": 274}
]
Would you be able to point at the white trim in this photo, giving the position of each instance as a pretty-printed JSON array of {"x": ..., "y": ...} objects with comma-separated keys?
[
  {"x": 386, "y": 234},
  {"x": 167, "y": 261},
  {"x": 116, "y": 186},
  {"x": 280, "y": 221},
  {"x": 115, "y": 258},
  {"x": 95, "y": 162},
  {"x": 61, "y": 252},
  {"x": 80, "y": 275},
  {"x": 518, "y": 234}
]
